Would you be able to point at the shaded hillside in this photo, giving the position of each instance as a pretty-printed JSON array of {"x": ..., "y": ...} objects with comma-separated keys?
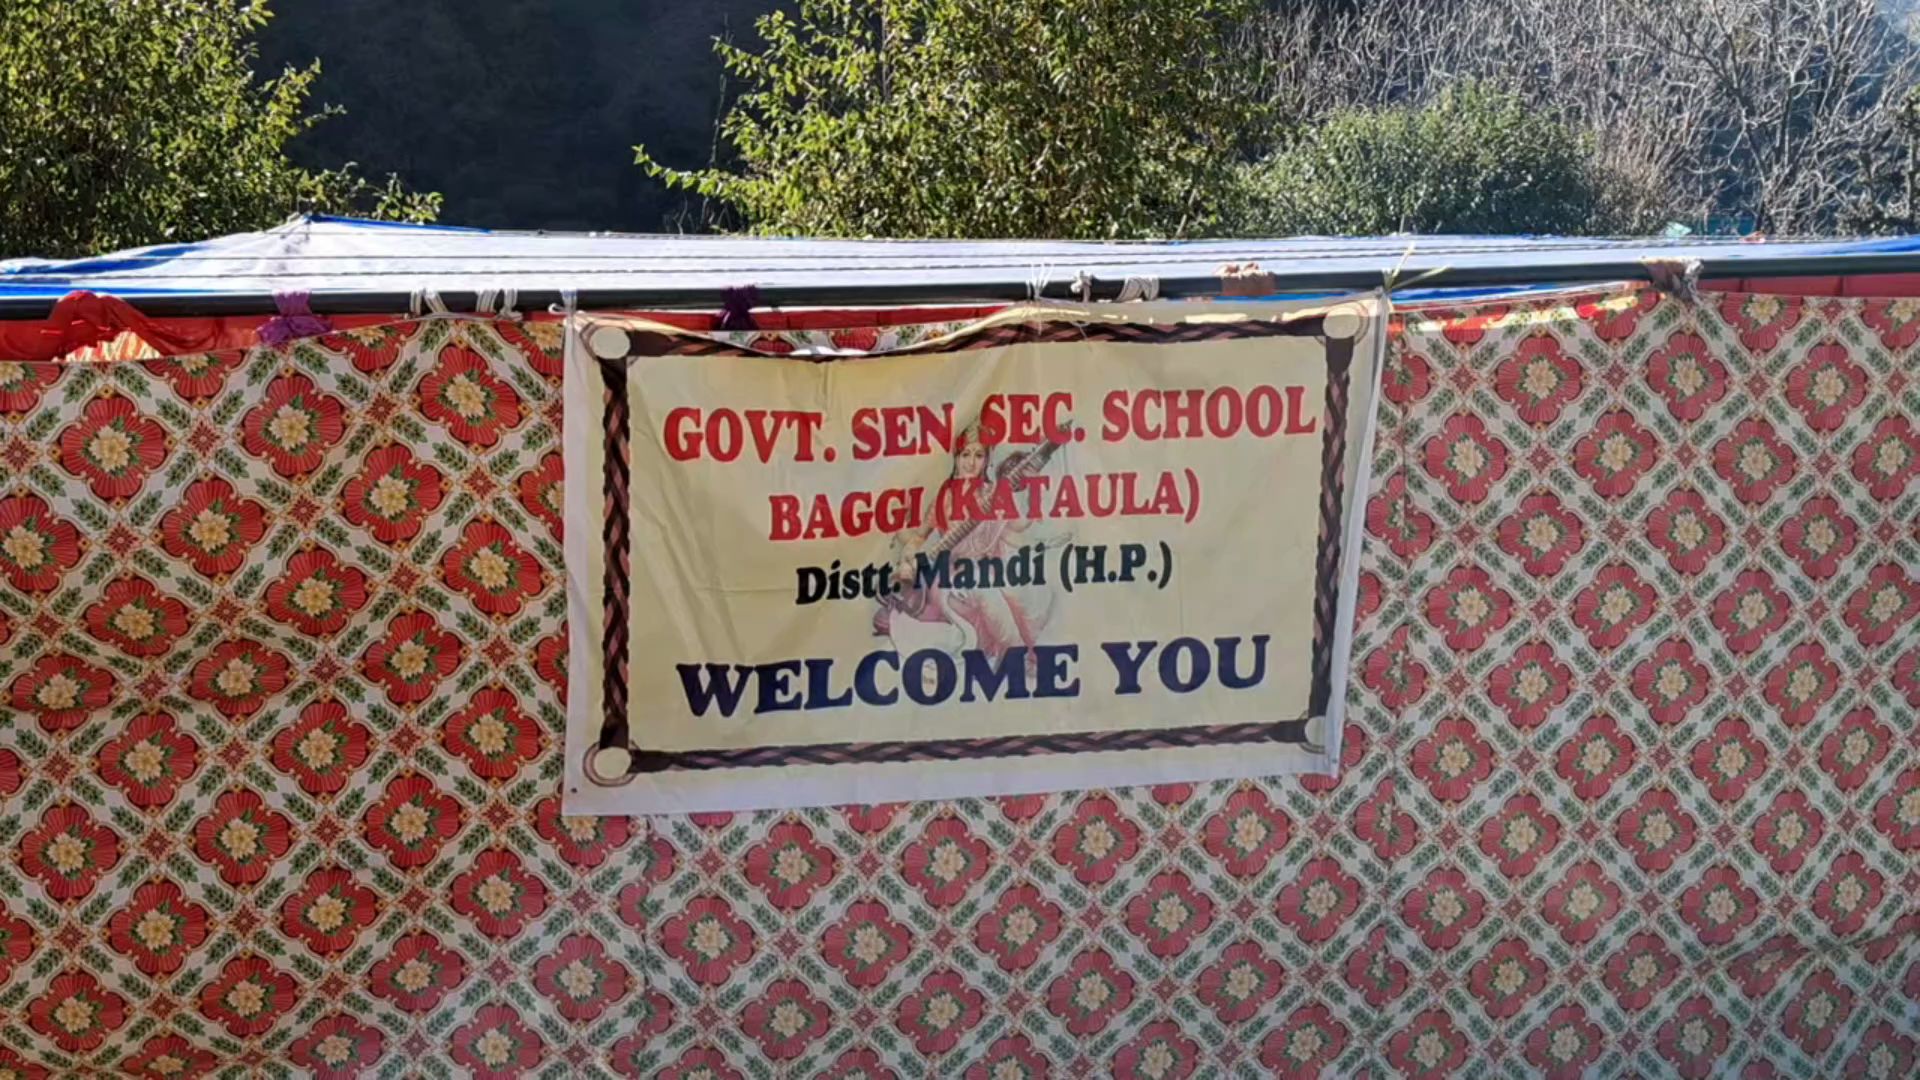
[{"x": 522, "y": 115}]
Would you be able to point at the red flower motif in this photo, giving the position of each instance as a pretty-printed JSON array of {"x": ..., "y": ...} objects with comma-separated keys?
[
  {"x": 1761, "y": 318},
  {"x": 1566, "y": 1045},
  {"x": 583, "y": 842},
  {"x": 1096, "y": 841},
  {"x": 1687, "y": 375},
  {"x": 550, "y": 662},
  {"x": 321, "y": 749},
  {"x": 1019, "y": 925},
  {"x": 1522, "y": 834},
  {"x": 945, "y": 861},
  {"x": 1817, "y": 1013},
  {"x": 656, "y": 867},
  {"x": 491, "y": 569},
  {"x": 701, "y": 1063},
  {"x": 1468, "y": 606},
  {"x": 1381, "y": 824},
  {"x": 113, "y": 447},
  {"x": 158, "y": 929},
  {"x": 12, "y": 775},
  {"x": 200, "y": 376},
  {"x": 1617, "y": 603},
  {"x": 1827, "y": 386},
  {"x": 1161, "y": 1051},
  {"x": 1883, "y": 1053},
  {"x": 1687, "y": 531},
  {"x": 1758, "y": 970},
  {"x": 1466, "y": 458},
  {"x": 868, "y": 819},
  {"x": 411, "y": 821},
  {"x": 1787, "y": 832},
  {"x": 1615, "y": 454},
  {"x": 1506, "y": 978},
  {"x": 1311, "y": 1040},
  {"x": 61, "y": 691},
  {"x": 76, "y": 1012},
  {"x": 1885, "y": 602},
  {"x": 149, "y": 760},
  {"x": 1818, "y": 537},
  {"x": 293, "y": 426},
  {"x": 710, "y": 941},
  {"x": 1802, "y": 683},
  {"x": 1754, "y": 460},
  {"x": 463, "y": 395},
  {"x": 540, "y": 493},
  {"x": 1530, "y": 685},
  {"x": 249, "y": 996},
  {"x": 496, "y": 1045},
  {"x": 580, "y": 978},
  {"x": 1538, "y": 379},
  {"x": 1615, "y": 319},
  {"x": 632, "y": 1054},
  {"x": 1240, "y": 983},
  {"x": 1695, "y": 1037},
  {"x": 339, "y": 1047},
  {"x": 413, "y": 658},
  {"x": 1543, "y": 534},
  {"x": 541, "y": 341},
  {"x": 137, "y": 618},
  {"x": 1090, "y": 993},
  {"x": 1442, "y": 908},
  {"x": 1750, "y": 610},
  {"x": 1353, "y": 750},
  {"x": 238, "y": 677},
  {"x": 164, "y": 1057},
  {"x": 37, "y": 546},
  {"x": 492, "y": 735},
  {"x": 1888, "y": 458},
  {"x": 1374, "y": 972},
  {"x": 865, "y": 944},
  {"x": 1317, "y": 901},
  {"x": 941, "y": 1010},
  {"x": 1247, "y": 832},
  {"x": 499, "y": 895},
  {"x": 1656, "y": 829},
  {"x": 329, "y": 911},
  {"x": 1595, "y": 756},
  {"x": 371, "y": 348},
  {"x": 392, "y": 495},
  {"x": 786, "y": 1020},
  {"x": 212, "y": 528},
  {"x": 1452, "y": 759},
  {"x": 1850, "y": 751},
  {"x": 1584, "y": 900},
  {"x": 1897, "y": 321},
  {"x": 1639, "y": 970},
  {"x": 242, "y": 837},
  {"x": 318, "y": 594},
  {"x": 1408, "y": 377},
  {"x": 22, "y": 382},
  {"x": 16, "y": 945},
  {"x": 416, "y": 974},
  {"x": 1169, "y": 913},
  {"x": 1719, "y": 905},
  {"x": 1429, "y": 1046},
  {"x": 68, "y": 852},
  {"x": 1729, "y": 759},
  {"x": 1897, "y": 814},
  {"x": 789, "y": 865},
  {"x": 1391, "y": 672},
  {"x": 1848, "y": 894},
  {"x": 1391, "y": 517}
]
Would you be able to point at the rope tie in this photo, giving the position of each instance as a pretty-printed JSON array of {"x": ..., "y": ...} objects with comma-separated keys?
[{"x": 1138, "y": 288}]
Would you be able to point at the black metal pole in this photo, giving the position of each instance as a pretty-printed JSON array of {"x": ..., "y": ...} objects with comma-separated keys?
[{"x": 1307, "y": 280}]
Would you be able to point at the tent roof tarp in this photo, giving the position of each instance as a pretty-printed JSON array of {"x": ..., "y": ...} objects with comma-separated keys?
[{"x": 323, "y": 256}]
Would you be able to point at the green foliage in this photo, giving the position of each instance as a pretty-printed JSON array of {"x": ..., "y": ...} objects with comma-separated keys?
[
  {"x": 127, "y": 122},
  {"x": 1472, "y": 160},
  {"x": 985, "y": 118}
]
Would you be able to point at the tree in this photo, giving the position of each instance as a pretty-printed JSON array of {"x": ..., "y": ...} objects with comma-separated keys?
[
  {"x": 985, "y": 118},
  {"x": 127, "y": 122},
  {"x": 1473, "y": 160}
]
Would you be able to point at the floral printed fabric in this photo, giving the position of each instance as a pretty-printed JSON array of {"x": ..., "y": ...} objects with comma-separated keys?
[{"x": 1632, "y": 778}]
